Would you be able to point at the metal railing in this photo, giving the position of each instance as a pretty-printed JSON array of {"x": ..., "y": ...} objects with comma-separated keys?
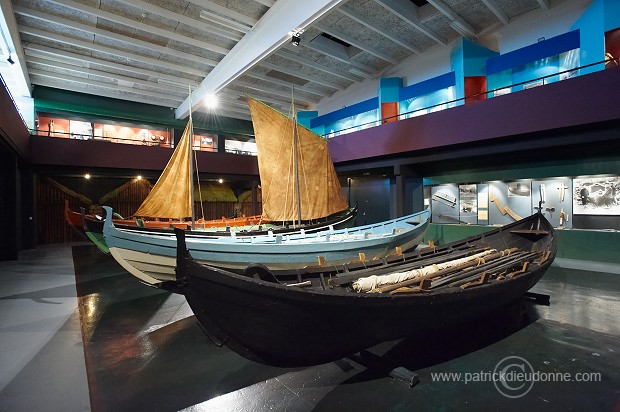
[
  {"x": 453, "y": 103},
  {"x": 79, "y": 136}
]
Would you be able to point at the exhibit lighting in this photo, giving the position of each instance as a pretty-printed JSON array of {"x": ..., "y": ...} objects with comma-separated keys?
[
  {"x": 295, "y": 39},
  {"x": 210, "y": 101},
  {"x": 139, "y": 177},
  {"x": 87, "y": 176},
  {"x": 10, "y": 59},
  {"x": 221, "y": 180}
]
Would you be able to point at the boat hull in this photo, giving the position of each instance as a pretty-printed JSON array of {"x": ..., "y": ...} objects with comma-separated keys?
[
  {"x": 151, "y": 257},
  {"x": 289, "y": 326}
]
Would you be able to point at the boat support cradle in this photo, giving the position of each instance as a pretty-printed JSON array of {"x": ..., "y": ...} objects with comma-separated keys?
[{"x": 374, "y": 362}]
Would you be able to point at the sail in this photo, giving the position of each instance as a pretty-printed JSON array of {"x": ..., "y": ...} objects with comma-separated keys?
[
  {"x": 319, "y": 190},
  {"x": 171, "y": 196}
]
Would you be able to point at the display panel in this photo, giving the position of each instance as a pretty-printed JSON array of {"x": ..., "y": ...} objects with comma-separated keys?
[
  {"x": 445, "y": 204},
  {"x": 596, "y": 196},
  {"x": 586, "y": 202},
  {"x": 556, "y": 195},
  {"x": 468, "y": 204}
]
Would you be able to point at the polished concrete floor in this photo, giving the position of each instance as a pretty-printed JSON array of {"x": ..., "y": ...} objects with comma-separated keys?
[{"x": 79, "y": 333}]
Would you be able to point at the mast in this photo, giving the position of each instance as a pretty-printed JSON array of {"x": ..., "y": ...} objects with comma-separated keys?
[
  {"x": 295, "y": 156},
  {"x": 191, "y": 157}
]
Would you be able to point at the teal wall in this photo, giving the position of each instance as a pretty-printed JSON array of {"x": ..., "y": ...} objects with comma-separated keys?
[
  {"x": 304, "y": 117},
  {"x": 591, "y": 25},
  {"x": 389, "y": 88},
  {"x": 468, "y": 59},
  {"x": 602, "y": 16}
]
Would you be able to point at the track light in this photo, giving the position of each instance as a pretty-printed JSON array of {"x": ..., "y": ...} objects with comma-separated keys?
[
  {"x": 11, "y": 61},
  {"x": 295, "y": 40}
]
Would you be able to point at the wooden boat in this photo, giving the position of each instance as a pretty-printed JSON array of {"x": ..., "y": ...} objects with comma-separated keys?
[
  {"x": 299, "y": 186},
  {"x": 151, "y": 257},
  {"x": 321, "y": 318}
]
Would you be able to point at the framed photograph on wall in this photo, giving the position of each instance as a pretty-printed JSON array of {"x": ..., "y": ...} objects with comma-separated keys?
[{"x": 596, "y": 196}]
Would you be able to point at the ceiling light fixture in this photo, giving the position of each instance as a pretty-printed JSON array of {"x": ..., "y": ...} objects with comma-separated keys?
[
  {"x": 10, "y": 59},
  {"x": 87, "y": 176},
  {"x": 210, "y": 101},
  {"x": 296, "y": 36}
]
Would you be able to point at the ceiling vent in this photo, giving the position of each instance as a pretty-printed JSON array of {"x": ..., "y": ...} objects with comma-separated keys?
[{"x": 286, "y": 77}]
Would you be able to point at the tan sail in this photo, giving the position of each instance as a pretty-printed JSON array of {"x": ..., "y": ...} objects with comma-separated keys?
[
  {"x": 171, "y": 196},
  {"x": 320, "y": 194}
]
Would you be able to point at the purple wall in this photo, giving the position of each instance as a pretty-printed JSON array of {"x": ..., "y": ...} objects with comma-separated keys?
[
  {"x": 12, "y": 126},
  {"x": 578, "y": 101}
]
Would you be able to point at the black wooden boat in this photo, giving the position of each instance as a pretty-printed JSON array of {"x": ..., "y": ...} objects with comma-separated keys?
[{"x": 318, "y": 317}]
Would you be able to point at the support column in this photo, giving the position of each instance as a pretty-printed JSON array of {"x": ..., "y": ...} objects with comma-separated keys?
[
  {"x": 409, "y": 191},
  {"x": 389, "y": 88}
]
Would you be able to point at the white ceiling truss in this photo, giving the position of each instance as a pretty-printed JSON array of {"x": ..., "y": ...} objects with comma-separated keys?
[{"x": 152, "y": 51}]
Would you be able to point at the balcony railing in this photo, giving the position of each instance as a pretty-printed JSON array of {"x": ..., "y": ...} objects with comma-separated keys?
[{"x": 444, "y": 105}]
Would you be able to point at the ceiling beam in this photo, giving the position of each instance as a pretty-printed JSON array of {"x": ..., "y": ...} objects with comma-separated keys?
[
  {"x": 169, "y": 14},
  {"x": 458, "y": 23},
  {"x": 290, "y": 55},
  {"x": 233, "y": 16},
  {"x": 115, "y": 36},
  {"x": 301, "y": 75},
  {"x": 234, "y": 95},
  {"x": 304, "y": 89},
  {"x": 113, "y": 86},
  {"x": 338, "y": 52},
  {"x": 53, "y": 54},
  {"x": 108, "y": 50},
  {"x": 93, "y": 11},
  {"x": 55, "y": 63},
  {"x": 268, "y": 3},
  {"x": 353, "y": 15},
  {"x": 497, "y": 10},
  {"x": 271, "y": 32},
  {"x": 354, "y": 42},
  {"x": 408, "y": 12},
  {"x": 10, "y": 30},
  {"x": 544, "y": 4},
  {"x": 287, "y": 95}
]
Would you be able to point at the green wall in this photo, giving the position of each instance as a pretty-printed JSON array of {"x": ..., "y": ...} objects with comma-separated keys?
[{"x": 58, "y": 101}]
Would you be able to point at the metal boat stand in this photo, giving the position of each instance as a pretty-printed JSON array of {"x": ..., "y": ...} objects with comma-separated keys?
[
  {"x": 537, "y": 298},
  {"x": 374, "y": 362}
]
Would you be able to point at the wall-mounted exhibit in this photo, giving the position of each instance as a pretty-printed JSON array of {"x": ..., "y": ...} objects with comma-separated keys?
[{"x": 585, "y": 202}]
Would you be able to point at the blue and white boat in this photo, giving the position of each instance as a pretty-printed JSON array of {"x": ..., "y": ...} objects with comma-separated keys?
[
  {"x": 299, "y": 184},
  {"x": 151, "y": 257}
]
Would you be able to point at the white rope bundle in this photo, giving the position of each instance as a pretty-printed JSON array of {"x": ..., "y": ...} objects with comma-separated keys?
[{"x": 370, "y": 283}]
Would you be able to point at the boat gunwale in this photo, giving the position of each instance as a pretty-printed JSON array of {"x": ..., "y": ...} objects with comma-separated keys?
[{"x": 223, "y": 274}]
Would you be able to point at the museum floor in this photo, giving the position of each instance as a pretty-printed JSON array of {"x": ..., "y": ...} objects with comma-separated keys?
[{"x": 79, "y": 333}]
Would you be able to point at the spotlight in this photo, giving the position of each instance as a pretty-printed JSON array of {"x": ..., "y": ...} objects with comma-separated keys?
[
  {"x": 221, "y": 180},
  {"x": 211, "y": 101},
  {"x": 139, "y": 177},
  {"x": 87, "y": 176},
  {"x": 10, "y": 60},
  {"x": 295, "y": 40}
]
